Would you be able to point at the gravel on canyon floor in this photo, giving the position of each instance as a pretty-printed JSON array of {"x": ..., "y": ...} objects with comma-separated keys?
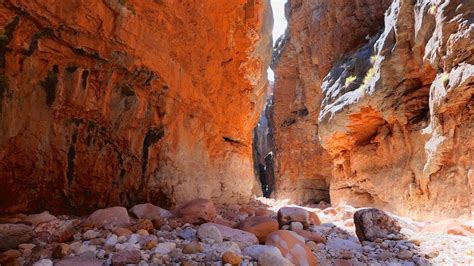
[{"x": 264, "y": 232}]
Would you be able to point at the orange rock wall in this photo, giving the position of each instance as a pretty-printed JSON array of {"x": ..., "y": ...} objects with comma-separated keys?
[
  {"x": 319, "y": 33},
  {"x": 392, "y": 101},
  {"x": 118, "y": 102}
]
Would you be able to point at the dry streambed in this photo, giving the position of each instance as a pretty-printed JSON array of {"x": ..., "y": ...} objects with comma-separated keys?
[{"x": 265, "y": 232}]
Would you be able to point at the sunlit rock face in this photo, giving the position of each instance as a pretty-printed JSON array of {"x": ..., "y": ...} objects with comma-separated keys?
[
  {"x": 116, "y": 102},
  {"x": 397, "y": 114},
  {"x": 389, "y": 96},
  {"x": 319, "y": 34}
]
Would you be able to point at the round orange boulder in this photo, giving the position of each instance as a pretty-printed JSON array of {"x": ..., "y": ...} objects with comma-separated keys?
[
  {"x": 292, "y": 247},
  {"x": 260, "y": 226}
]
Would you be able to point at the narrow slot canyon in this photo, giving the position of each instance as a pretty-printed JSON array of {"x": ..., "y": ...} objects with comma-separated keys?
[{"x": 237, "y": 132}]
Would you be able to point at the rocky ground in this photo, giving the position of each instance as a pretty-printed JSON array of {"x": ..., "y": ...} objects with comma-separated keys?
[{"x": 265, "y": 232}]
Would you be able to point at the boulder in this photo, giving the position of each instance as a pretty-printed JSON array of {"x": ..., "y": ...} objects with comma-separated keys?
[
  {"x": 143, "y": 224},
  {"x": 165, "y": 248},
  {"x": 373, "y": 223},
  {"x": 197, "y": 211},
  {"x": 242, "y": 238},
  {"x": 193, "y": 247},
  {"x": 126, "y": 257},
  {"x": 11, "y": 235},
  {"x": 231, "y": 258},
  {"x": 57, "y": 230},
  {"x": 149, "y": 211},
  {"x": 260, "y": 226},
  {"x": 287, "y": 215},
  {"x": 209, "y": 232},
  {"x": 36, "y": 219},
  {"x": 113, "y": 216},
  {"x": 255, "y": 251},
  {"x": 292, "y": 246},
  {"x": 9, "y": 257},
  {"x": 61, "y": 250}
]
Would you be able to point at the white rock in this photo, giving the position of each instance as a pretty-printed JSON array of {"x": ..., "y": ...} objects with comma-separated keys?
[
  {"x": 165, "y": 248},
  {"x": 133, "y": 239},
  {"x": 43, "y": 262},
  {"x": 90, "y": 234},
  {"x": 112, "y": 240},
  {"x": 101, "y": 254},
  {"x": 209, "y": 232},
  {"x": 296, "y": 226},
  {"x": 339, "y": 244},
  {"x": 255, "y": 251}
]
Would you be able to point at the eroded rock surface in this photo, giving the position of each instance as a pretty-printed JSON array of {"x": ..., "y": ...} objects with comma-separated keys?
[
  {"x": 319, "y": 33},
  {"x": 375, "y": 100},
  {"x": 116, "y": 102},
  {"x": 397, "y": 113}
]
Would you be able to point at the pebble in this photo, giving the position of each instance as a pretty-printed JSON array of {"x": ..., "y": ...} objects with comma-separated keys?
[
  {"x": 165, "y": 248},
  {"x": 231, "y": 258},
  {"x": 296, "y": 226},
  {"x": 405, "y": 254},
  {"x": 112, "y": 240}
]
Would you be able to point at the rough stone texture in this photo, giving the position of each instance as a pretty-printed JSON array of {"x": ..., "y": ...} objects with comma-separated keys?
[
  {"x": 11, "y": 235},
  {"x": 397, "y": 114},
  {"x": 391, "y": 104},
  {"x": 196, "y": 211},
  {"x": 319, "y": 33},
  {"x": 371, "y": 224},
  {"x": 107, "y": 103}
]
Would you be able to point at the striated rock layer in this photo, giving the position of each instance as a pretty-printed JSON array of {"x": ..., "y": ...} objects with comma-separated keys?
[
  {"x": 117, "y": 102},
  {"x": 393, "y": 102},
  {"x": 319, "y": 33}
]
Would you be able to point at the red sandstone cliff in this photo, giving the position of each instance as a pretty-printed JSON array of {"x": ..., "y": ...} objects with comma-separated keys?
[
  {"x": 116, "y": 102},
  {"x": 319, "y": 34},
  {"x": 396, "y": 101}
]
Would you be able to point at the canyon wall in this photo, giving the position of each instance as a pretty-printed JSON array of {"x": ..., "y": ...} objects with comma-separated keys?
[
  {"x": 394, "y": 90},
  {"x": 319, "y": 33},
  {"x": 118, "y": 102}
]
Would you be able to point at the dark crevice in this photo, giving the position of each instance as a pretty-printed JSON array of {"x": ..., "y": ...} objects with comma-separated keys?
[
  {"x": 84, "y": 78},
  {"x": 49, "y": 85},
  {"x": 71, "y": 69},
  {"x": 71, "y": 157},
  {"x": 231, "y": 140},
  {"x": 288, "y": 122},
  {"x": 93, "y": 54},
  {"x": 302, "y": 112},
  {"x": 6, "y": 38},
  {"x": 152, "y": 136},
  {"x": 3, "y": 89}
]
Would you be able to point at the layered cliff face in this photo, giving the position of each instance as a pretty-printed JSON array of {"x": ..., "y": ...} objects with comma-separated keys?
[
  {"x": 319, "y": 33},
  {"x": 396, "y": 103},
  {"x": 116, "y": 102}
]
